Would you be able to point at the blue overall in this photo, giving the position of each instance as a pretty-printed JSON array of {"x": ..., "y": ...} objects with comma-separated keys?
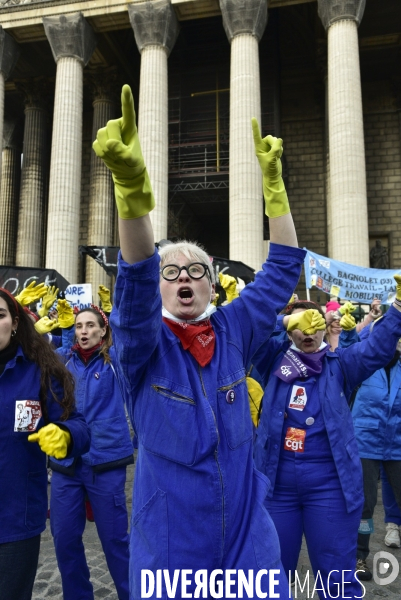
[
  {"x": 101, "y": 474},
  {"x": 197, "y": 501},
  {"x": 23, "y": 474},
  {"x": 319, "y": 491},
  {"x": 377, "y": 421}
]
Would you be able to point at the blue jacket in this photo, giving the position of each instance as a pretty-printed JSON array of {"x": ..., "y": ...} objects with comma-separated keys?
[
  {"x": 99, "y": 399},
  {"x": 343, "y": 370},
  {"x": 196, "y": 493},
  {"x": 377, "y": 410},
  {"x": 23, "y": 473}
]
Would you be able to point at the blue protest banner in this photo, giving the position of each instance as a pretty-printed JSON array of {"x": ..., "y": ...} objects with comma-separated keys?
[{"x": 349, "y": 282}]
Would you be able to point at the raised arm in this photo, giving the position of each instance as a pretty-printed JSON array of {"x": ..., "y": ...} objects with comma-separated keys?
[
  {"x": 268, "y": 151},
  {"x": 118, "y": 146}
]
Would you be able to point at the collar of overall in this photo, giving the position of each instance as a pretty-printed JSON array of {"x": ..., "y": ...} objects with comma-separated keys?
[
  {"x": 196, "y": 335},
  {"x": 296, "y": 364}
]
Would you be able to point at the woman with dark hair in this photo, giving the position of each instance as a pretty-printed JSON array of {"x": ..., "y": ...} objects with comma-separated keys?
[
  {"x": 305, "y": 441},
  {"x": 37, "y": 405},
  {"x": 100, "y": 474}
]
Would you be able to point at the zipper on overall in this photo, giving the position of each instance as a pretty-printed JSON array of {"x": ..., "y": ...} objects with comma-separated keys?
[{"x": 216, "y": 457}]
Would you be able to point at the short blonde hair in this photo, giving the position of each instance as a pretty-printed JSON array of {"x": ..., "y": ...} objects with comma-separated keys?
[{"x": 191, "y": 251}]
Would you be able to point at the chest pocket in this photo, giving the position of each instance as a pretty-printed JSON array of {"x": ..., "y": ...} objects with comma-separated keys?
[
  {"x": 169, "y": 425},
  {"x": 234, "y": 410}
]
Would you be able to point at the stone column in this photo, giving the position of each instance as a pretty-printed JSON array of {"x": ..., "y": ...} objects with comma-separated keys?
[
  {"x": 244, "y": 23},
  {"x": 32, "y": 204},
  {"x": 101, "y": 196},
  {"x": 349, "y": 224},
  {"x": 9, "y": 53},
  {"x": 155, "y": 28},
  {"x": 72, "y": 42},
  {"x": 10, "y": 186}
]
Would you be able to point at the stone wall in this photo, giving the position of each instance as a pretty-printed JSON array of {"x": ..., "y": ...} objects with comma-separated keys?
[{"x": 383, "y": 167}]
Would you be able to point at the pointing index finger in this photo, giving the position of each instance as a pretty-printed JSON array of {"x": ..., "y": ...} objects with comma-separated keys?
[
  {"x": 128, "y": 110},
  {"x": 256, "y": 132}
]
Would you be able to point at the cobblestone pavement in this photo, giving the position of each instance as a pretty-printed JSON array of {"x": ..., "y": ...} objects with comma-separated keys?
[{"x": 48, "y": 584}]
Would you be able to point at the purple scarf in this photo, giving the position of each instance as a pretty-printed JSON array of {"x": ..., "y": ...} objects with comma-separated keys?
[{"x": 297, "y": 365}]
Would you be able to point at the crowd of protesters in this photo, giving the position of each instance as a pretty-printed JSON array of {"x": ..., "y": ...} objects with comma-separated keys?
[{"x": 256, "y": 422}]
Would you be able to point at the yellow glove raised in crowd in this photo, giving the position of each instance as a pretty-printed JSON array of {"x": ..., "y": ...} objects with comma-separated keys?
[
  {"x": 48, "y": 300},
  {"x": 268, "y": 151},
  {"x": 347, "y": 321},
  {"x": 32, "y": 293},
  {"x": 347, "y": 308},
  {"x": 229, "y": 285},
  {"x": 215, "y": 299},
  {"x": 255, "y": 395},
  {"x": 309, "y": 322},
  {"x": 104, "y": 295},
  {"x": 66, "y": 316},
  {"x": 398, "y": 287},
  {"x": 118, "y": 146},
  {"x": 52, "y": 440},
  {"x": 45, "y": 325}
]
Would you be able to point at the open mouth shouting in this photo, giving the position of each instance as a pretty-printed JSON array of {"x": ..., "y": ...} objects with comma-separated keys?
[{"x": 185, "y": 295}]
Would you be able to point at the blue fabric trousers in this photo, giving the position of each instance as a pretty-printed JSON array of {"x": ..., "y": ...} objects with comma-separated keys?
[
  {"x": 308, "y": 500},
  {"x": 67, "y": 519},
  {"x": 18, "y": 564}
]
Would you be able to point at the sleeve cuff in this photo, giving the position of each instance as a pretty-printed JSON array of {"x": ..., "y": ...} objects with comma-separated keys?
[
  {"x": 145, "y": 269},
  {"x": 279, "y": 252}
]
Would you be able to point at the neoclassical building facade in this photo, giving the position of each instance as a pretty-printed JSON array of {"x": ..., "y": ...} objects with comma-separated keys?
[{"x": 325, "y": 75}]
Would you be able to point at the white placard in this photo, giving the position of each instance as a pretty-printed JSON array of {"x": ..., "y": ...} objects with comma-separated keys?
[{"x": 79, "y": 294}]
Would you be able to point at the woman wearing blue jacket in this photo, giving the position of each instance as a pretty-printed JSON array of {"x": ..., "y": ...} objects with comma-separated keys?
[
  {"x": 306, "y": 444},
  {"x": 101, "y": 472},
  {"x": 37, "y": 405},
  {"x": 376, "y": 413}
]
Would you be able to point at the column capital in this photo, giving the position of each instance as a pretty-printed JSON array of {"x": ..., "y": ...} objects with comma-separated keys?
[
  {"x": 104, "y": 84},
  {"x": 9, "y": 53},
  {"x": 154, "y": 23},
  {"x": 331, "y": 11},
  {"x": 244, "y": 16},
  {"x": 37, "y": 92},
  {"x": 12, "y": 133},
  {"x": 70, "y": 35}
]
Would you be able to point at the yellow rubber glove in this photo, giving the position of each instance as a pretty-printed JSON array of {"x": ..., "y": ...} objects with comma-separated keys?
[
  {"x": 32, "y": 293},
  {"x": 48, "y": 300},
  {"x": 398, "y": 287},
  {"x": 229, "y": 285},
  {"x": 255, "y": 395},
  {"x": 118, "y": 146},
  {"x": 309, "y": 322},
  {"x": 269, "y": 151},
  {"x": 215, "y": 300},
  {"x": 52, "y": 440},
  {"x": 104, "y": 295},
  {"x": 66, "y": 316},
  {"x": 45, "y": 325},
  {"x": 347, "y": 321},
  {"x": 347, "y": 308}
]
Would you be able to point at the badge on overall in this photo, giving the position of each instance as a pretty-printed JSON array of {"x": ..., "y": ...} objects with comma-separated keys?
[
  {"x": 295, "y": 439},
  {"x": 27, "y": 415},
  {"x": 298, "y": 398}
]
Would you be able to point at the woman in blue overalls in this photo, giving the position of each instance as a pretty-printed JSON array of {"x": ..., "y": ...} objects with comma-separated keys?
[
  {"x": 101, "y": 473},
  {"x": 37, "y": 405},
  {"x": 198, "y": 500},
  {"x": 306, "y": 446}
]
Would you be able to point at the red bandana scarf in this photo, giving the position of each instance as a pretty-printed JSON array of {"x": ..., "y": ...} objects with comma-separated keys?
[
  {"x": 84, "y": 353},
  {"x": 199, "y": 339}
]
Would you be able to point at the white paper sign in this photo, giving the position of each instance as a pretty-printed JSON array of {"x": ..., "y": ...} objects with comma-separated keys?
[{"x": 79, "y": 294}]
